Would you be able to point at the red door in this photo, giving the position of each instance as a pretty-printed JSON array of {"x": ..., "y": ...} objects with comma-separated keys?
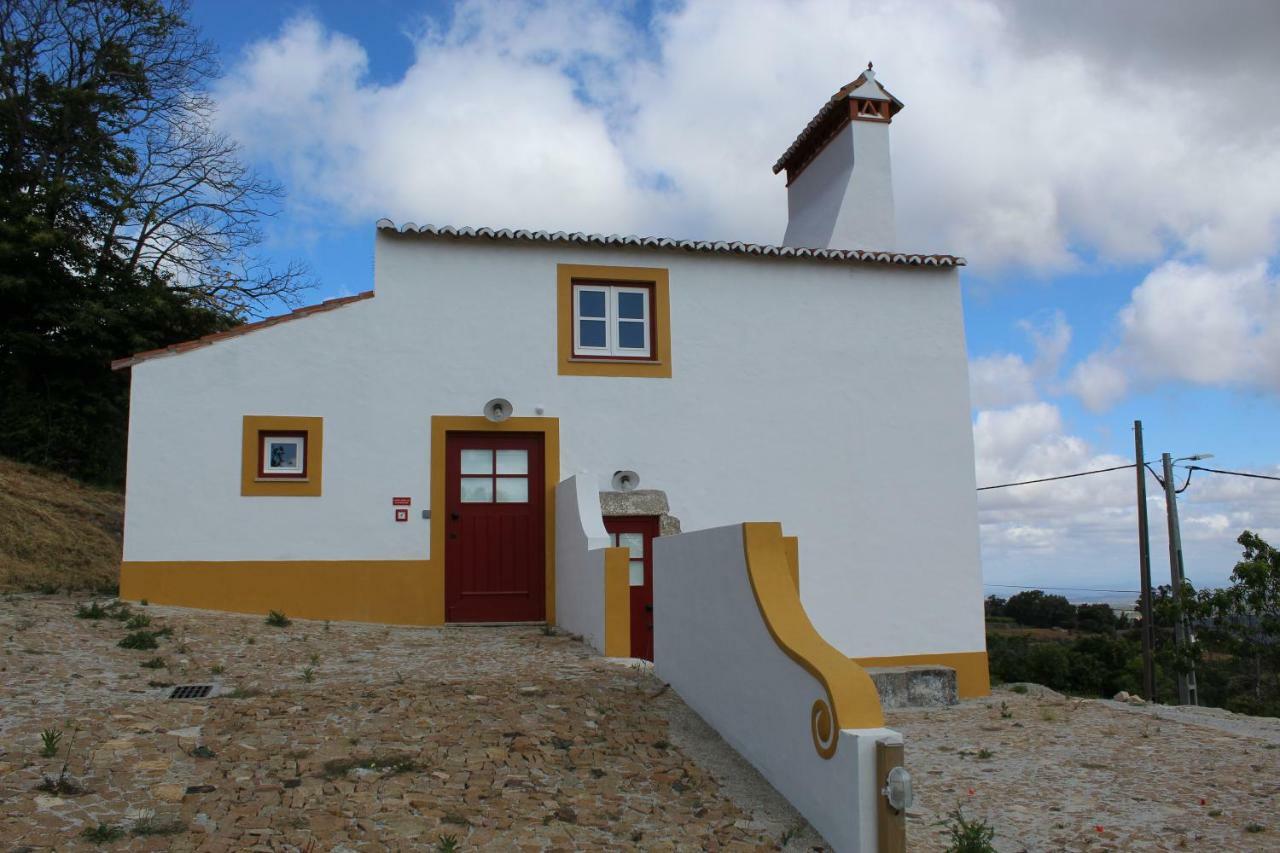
[
  {"x": 495, "y": 555},
  {"x": 637, "y": 532}
]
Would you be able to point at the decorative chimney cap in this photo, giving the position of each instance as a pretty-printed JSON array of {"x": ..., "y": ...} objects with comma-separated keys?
[{"x": 862, "y": 100}]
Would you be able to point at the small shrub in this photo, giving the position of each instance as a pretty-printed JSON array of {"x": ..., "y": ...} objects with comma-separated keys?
[
  {"x": 150, "y": 826},
  {"x": 154, "y": 663},
  {"x": 162, "y": 632},
  {"x": 1005, "y": 713},
  {"x": 447, "y": 844},
  {"x": 93, "y": 610},
  {"x": 103, "y": 833},
  {"x": 49, "y": 741},
  {"x": 1048, "y": 715},
  {"x": 390, "y": 764},
  {"x": 308, "y": 674},
  {"x": 217, "y": 669},
  {"x": 1254, "y": 828},
  {"x": 968, "y": 836},
  {"x": 1215, "y": 812},
  {"x": 985, "y": 754},
  {"x": 140, "y": 640},
  {"x": 144, "y": 602},
  {"x": 276, "y": 619},
  {"x": 139, "y": 620},
  {"x": 242, "y": 693},
  {"x": 1019, "y": 688},
  {"x": 154, "y": 683},
  {"x": 315, "y": 659},
  {"x": 49, "y": 589}
]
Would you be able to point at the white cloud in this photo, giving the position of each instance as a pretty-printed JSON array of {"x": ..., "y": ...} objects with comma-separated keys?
[
  {"x": 996, "y": 381},
  {"x": 1190, "y": 323},
  {"x": 1007, "y": 152}
]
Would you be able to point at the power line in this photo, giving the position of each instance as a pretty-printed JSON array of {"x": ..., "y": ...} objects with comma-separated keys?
[
  {"x": 1061, "y": 477},
  {"x": 1064, "y": 588},
  {"x": 1233, "y": 473}
]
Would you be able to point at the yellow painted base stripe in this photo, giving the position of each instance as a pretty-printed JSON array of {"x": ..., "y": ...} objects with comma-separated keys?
[
  {"x": 397, "y": 592},
  {"x": 973, "y": 677},
  {"x": 851, "y": 697},
  {"x": 617, "y": 602}
]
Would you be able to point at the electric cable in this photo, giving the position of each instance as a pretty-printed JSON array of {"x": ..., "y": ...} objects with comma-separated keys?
[{"x": 1059, "y": 477}]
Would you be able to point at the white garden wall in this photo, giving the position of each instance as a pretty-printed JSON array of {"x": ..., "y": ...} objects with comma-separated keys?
[{"x": 581, "y": 541}]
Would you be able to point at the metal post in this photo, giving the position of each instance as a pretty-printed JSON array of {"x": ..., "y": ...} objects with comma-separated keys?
[
  {"x": 1144, "y": 568},
  {"x": 1181, "y": 630}
]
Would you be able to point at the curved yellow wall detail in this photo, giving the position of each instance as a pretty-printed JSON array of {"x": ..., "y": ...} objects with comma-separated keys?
[
  {"x": 851, "y": 700},
  {"x": 617, "y": 603}
]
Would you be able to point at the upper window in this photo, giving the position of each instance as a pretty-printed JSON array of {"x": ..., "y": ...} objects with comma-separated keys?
[
  {"x": 612, "y": 320},
  {"x": 282, "y": 456}
]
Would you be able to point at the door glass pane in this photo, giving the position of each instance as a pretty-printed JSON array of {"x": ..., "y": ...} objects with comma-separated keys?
[
  {"x": 477, "y": 490},
  {"x": 637, "y": 572},
  {"x": 634, "y": 541},
  {"x": 591, "y": 333},
  {"x": 631, "y": 335},
  {"x": 513, "y": 462},
  {"x": 591, "y": 303},
  {"x": 631, "y": 305},
  {"x": 513, "y": 490},
  {"x": 477, "y": 461}
]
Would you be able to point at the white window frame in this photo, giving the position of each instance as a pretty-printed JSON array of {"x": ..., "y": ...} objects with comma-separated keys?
[{"x": 612, "y": 348}]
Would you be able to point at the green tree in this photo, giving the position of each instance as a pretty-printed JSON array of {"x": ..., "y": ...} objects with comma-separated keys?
[
  {"x": 1034, "y": 609},
  {"x": 126, "y": 222}
]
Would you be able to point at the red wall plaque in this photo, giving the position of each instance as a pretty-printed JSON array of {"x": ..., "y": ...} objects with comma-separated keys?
[
  {"x": 402, "y": 501},
  {"x": 402, "y": 515}
]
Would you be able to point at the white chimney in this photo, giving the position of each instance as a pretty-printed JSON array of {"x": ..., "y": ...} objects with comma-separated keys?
[{"x": 839, "y": 182}]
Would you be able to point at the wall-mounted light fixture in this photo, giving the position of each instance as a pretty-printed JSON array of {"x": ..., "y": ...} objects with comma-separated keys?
[{"x": 497, "y": 410}]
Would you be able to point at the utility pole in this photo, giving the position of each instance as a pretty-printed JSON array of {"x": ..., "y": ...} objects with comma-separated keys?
[
  {"x": 1187, "y": 694},
  {"x": 1144, "y": 568}
]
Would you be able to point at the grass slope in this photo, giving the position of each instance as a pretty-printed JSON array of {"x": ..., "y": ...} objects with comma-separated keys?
[{"x": 57, "y": 533}]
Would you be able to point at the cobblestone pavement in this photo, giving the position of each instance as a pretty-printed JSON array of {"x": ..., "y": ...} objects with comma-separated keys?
[
  {"x": 365, "y": 737},
  {"x": 1053, "y": 773}
]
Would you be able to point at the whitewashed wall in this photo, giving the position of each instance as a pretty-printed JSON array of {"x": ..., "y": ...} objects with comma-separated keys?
[
  {"x": 712, "y": 646},
  {"x": 580, "y": 543},
  {"x": 830, "y": 397}
]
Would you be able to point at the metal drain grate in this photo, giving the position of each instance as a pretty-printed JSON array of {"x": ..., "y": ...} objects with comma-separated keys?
[{"x": 191, "y": 691}]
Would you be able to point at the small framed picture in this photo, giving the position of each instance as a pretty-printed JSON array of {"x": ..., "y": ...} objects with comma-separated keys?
[{"x": 282, "y": 455}]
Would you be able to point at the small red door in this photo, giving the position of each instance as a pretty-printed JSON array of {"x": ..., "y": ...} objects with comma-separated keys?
[
  {"x": 637, "y": 532},
  {"x": 495, "y": 555}
]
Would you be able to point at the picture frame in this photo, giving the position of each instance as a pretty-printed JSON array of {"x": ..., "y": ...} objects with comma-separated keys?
[{"x": 282, "y": 455}]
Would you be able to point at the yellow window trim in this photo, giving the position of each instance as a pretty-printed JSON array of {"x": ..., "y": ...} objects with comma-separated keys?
[
  {"x": 253, "y": 486},
  {"x": 658, "y": 367}
]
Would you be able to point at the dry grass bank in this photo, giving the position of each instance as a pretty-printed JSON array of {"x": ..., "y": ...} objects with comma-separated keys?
[{"x": 56, "y": 532}]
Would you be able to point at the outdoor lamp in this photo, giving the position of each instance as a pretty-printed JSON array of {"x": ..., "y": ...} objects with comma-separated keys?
[{"x": 897, "y": 789}]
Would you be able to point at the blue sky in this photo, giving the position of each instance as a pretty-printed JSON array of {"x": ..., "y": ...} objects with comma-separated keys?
[{"x": 1122, "y": 246}]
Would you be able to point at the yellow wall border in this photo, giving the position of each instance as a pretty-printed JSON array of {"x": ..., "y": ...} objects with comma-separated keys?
[
  {"x": 973, "y": 675},
  {"x": 441, "y": 426},
  {"x": 617, "y": 602},
  {"x": 390, "y": 591},
  {"x": 250, "y": 485},
  {"x": 660, "y": 365},
  {"x": 851, "y": 701}
]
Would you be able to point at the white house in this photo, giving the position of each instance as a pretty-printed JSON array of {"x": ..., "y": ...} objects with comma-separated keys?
[{"x": 337, "y": 462}]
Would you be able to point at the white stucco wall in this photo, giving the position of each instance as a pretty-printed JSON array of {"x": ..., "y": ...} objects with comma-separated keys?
[
  {"x": 711, "y": 645},
  {"x": 830, "y": 397},
  {"x": 580, "y": 543}
]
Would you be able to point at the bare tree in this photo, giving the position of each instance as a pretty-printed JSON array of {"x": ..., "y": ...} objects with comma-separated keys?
[{"x": 146, "y": 178}]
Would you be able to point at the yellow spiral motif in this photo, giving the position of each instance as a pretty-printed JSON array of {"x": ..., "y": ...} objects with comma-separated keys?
[{"x": 822, "y": 726}]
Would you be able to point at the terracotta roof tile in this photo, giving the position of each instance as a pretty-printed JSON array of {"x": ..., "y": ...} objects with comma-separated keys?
[
  {"x": 861, "y": 256},
  {"x": 186, "y": 346}
]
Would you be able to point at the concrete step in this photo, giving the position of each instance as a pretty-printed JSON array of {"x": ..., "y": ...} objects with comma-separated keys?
[{"x": 915, "y": 686}]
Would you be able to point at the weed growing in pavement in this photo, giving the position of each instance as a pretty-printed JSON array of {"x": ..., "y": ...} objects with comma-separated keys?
[
  {"x": 399, "y": 678},
  {"x": 548, "y": 630},
  {"x": 103, "y": 833},
  {"x": 967, "y": 836},
  {"x": 150, "y": 826},
  {"x": 154, "y": 663},
  {"x": 63, "y": 785},
  {"x": 789, "y": 835},
  {"x": 1215, "y": 812},
  {"x": 276, "y": 619},
  {"x": 138, "y": 620},
  {"x": 447, "y": 844},
  {"x": 1048, "y": 715},
  {"x": 140, "y": 640},
  {"x": 242, "y": 693},
  {"x": 144, "y": 602},
  {"x": 455, "y": 819},
  {"x": 93, "y": 610},
  {"x": 49, "y": 740},
  {"x": 315, "y": 659},
  {"x": 217, "y": 669},
  {"x": 1005, "y": 713},
  {"x": 308, "y": 674},
  {"x": 154, "y": 683},
  {"x": 1254, "y": 828},
  {"x": 390, "y": 764},
  {"x": 1019, "y": 688},
  {"x": 984, "y": 754},
  {"x": 49, "y": 589}
]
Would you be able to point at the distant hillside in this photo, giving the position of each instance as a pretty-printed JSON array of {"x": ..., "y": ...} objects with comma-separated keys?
[{"x": 56, "y": 532}]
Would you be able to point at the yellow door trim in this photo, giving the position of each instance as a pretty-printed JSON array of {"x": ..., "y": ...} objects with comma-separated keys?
[{"x": 441, "y": 426}]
